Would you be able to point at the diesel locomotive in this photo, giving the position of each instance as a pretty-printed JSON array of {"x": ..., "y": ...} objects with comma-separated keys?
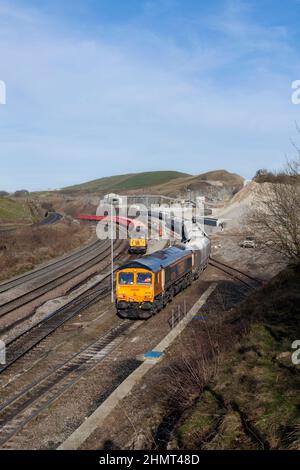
[
  {"x": 144, "y": 286},
  {"x": 137, "y": 245},
  {"x": 138, "y": 242}
]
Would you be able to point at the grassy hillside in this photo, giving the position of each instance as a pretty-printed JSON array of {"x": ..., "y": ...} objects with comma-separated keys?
[
  {"x": 254, "y": 403},
  {"x": 207, "y": 183},
  {"x": 126, "y": 182},
  {"x": 216, "y": 183},
  {"x": 12, "y": 210},
  {"x": 221, "y": 175}
]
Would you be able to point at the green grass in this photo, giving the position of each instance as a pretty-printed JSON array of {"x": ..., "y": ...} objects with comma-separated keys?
[
  {"x": 201, "y": 423},
  {"x": 256, "y": 380},
  {"x": 129, "y": 181},
  {"x": 11, "y": 210}
]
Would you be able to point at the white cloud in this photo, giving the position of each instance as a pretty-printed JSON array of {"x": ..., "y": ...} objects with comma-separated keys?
[{"x": 130, "y": 99}]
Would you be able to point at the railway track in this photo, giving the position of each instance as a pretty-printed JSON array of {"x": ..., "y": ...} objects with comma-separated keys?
[
  {"x": 245, "y": 278},
  {"x": 17, "y": 411},
  {"x": 23, "y": 405},
  {"x": 23, "y": 343},
  {"x": 47, "y": 285},
  {"x": 26, "y": 341},
  {"x": 36, "y": 273}
]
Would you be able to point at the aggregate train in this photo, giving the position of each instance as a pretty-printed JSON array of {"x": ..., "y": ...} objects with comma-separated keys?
[{"x": 145, "y": 285}]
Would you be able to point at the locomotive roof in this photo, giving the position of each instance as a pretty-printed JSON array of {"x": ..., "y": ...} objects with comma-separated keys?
[{"x": 159, "y": 259}]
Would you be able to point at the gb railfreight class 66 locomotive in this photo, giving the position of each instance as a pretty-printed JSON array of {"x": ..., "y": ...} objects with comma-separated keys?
[
  {"x": 138, "y": 241},
  {"x": 144, "y": 286},
  {"x": 137, "y": 245}
]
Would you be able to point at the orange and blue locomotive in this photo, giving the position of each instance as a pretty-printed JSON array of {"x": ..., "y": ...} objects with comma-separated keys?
[{"x": 144, "y": 286}]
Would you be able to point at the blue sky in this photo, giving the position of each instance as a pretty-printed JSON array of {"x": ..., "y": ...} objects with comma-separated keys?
[{"x": 101, "y": 87}]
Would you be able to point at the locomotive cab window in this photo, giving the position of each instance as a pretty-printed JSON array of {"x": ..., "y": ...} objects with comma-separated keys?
[
  {"x": 144, "y": 278},
  {"x": 126, "y": 278}
]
